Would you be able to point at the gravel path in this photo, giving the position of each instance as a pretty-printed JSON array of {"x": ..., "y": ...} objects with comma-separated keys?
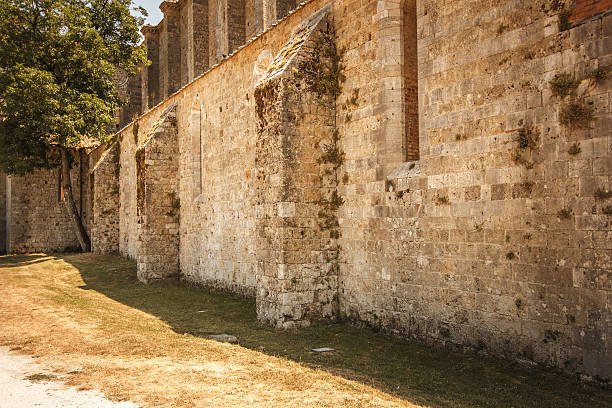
[{"x": 18, "y": 392}]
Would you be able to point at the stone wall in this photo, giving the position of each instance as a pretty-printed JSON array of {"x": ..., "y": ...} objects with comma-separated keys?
[
  {"x": 495, "y": 237},
  {"x": 128, "y": 217},
  {"x": 157, "y": 200},
  {"x": 297, "y": 162},
  {"x": 227, "y": 30},
  {"x": 218, "y": 211},
  {"x": 410, "y": 62},
  {"x": 104, "y": 181},
  {"x": 169, "y": 49},
  {"x": 236, "y": 25},
  {"x": 254, "y": 18},
  {"x": 193, "y": 39},
  {"x": 194, "y": 35},
  {"x": 38, "y": 220},
  {"x": 283, "y": 7},
  {"x": 151, "y": 82}
]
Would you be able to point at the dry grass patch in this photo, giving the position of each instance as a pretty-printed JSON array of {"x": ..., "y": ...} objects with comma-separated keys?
[{"x": 87, "y": 317}]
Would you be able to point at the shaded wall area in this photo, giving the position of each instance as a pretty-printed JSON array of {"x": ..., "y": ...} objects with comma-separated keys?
[
  {"x": 3, "y": 207},
  {"x": 37, "y": 218},
  {"x": 104, "y": 182}
]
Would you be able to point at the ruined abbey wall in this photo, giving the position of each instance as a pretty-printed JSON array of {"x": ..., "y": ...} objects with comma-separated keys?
[
  {"x": 217, "y": 169},
  {"x": 301, "y": 170},
  {"x": 489, "y": 241},
  {"x": 479, "y": 227}
]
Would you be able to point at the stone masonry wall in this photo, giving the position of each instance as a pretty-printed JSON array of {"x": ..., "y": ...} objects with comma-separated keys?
[
  {"x": 192, "y": 36},
  {"x": 169, "y": 50},
  {"x": 497, "y": 239},
  {"x": 254, "y": 18},
  {"x": 128, "y": 216},
  {"x": 200, "y": 38},
  {"x": 283, "y": 7},
  {"x": 217, "y": 37},
  {"x": 151, "y": 75},
  {"x": 193, "y": 39},
  {"x": 411, "y": 96},
  {"x": 104, "y": 179},
  {"x": 186, "y": 28},
  {"x": 158, "y": 203},
  {"x": 38, "y": 218},
  {"x": 296, "y": 158},
  {"x": 236, "y": 24},
  {"x": 217, "y": 226}
]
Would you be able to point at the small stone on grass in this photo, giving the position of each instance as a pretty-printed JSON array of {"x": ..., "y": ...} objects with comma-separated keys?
[
  {"x": 323, "y": 350},
  {"x": 224, "y": 338}
]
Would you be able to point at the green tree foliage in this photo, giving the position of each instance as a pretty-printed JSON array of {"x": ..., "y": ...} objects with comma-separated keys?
[
  {"x": 58, "y": 59},
  {"x": 57, "y": 62}
]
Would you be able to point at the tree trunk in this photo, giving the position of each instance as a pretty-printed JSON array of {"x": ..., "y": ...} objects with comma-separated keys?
[{"x": 77, "y": 222}]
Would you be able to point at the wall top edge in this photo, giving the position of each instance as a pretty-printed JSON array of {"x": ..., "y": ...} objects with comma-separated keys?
[
  {"x": 154, "y": 29},
  {"x": 169, "y": 4}
]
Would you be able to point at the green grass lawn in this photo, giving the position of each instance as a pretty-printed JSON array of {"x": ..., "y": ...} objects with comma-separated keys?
[{"x": 403, "y": 369}]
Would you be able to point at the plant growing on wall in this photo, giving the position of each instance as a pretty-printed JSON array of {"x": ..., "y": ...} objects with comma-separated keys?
[
  {"x": 323, "y": 75},
  {"x": 527, "y": 139},
  {"x": 575, "y": 113},
  {"x": 58, "y": 59}
]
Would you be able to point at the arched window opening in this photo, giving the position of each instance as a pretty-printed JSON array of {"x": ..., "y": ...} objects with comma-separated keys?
[{"x": 411, "y": 86}]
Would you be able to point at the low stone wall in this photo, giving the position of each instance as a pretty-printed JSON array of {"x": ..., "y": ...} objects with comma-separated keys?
[{"x": 38, "y": 220}]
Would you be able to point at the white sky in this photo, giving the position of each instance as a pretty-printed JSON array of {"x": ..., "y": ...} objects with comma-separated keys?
[{"x": 152, "y": 6}]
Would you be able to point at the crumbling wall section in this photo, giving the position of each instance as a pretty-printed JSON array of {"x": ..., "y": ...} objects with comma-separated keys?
[
  {"x": 104, "y": 181},
  {"x": 297, "y": 161},
  {"x": 158, "y": 202}
]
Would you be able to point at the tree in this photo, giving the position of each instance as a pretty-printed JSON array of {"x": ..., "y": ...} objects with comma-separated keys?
[{"x": 57, "y": 61}]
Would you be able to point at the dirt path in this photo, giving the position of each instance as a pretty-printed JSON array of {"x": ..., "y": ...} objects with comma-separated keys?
[{"x": 16, "y": 391}]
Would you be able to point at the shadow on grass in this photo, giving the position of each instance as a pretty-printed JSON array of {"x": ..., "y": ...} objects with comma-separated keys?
[
  {"x": 17, "y": 261},
  {"x": 401, "y": 367}
]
